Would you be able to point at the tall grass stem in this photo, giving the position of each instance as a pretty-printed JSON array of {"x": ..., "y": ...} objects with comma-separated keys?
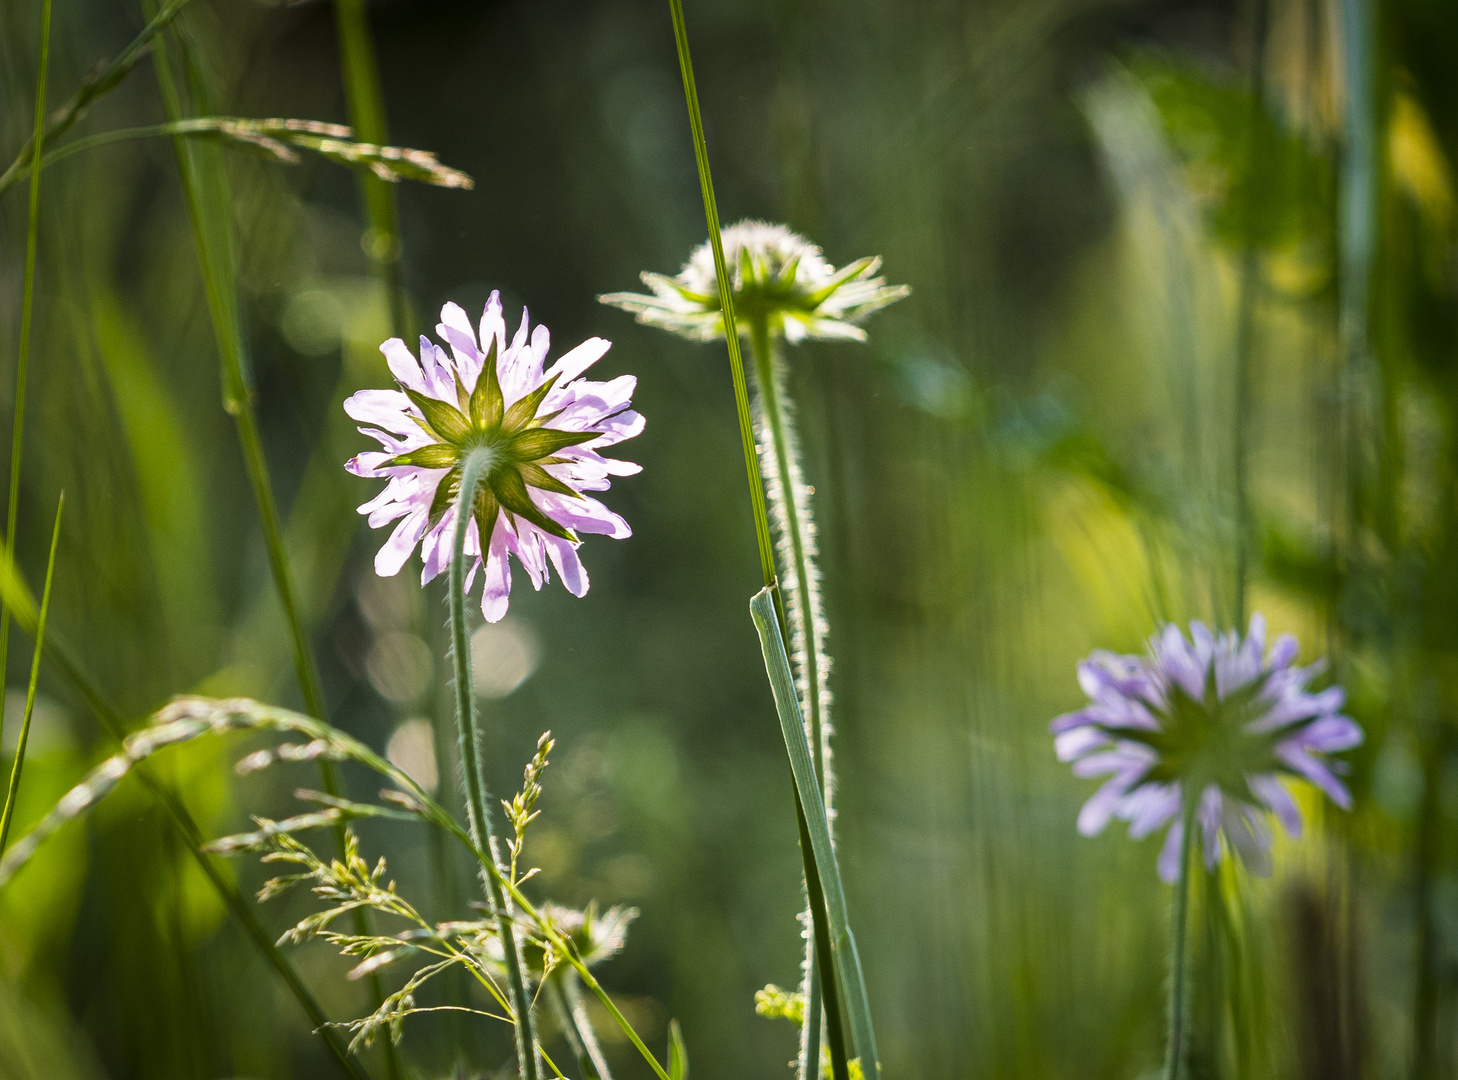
[
  {"x": 366, "y": 104},
  {"x": 40, "y": 640},
  {"x": 27, "y": 316},
  {"x": 474, "y": 471}
]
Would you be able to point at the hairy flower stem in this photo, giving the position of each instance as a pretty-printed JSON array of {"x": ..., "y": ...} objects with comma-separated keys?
[
  {"x": 1174, "y": 1057},
  {"x": 476, "y": 466},
  {"x": 789, "y": 505}
]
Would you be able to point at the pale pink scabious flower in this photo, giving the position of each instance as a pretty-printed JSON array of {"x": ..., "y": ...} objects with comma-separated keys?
[
  {"x": 544, "y": 428},
  {"x": 1219, "y": 715}
]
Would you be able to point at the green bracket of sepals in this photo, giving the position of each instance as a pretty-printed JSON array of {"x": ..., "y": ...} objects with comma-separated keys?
[{"x": 792, "y": 725}]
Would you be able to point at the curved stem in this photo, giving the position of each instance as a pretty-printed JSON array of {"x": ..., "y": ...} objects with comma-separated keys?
[
  {"x": 1178, "y": 1020},
  {"x": 474, "y": 471}
]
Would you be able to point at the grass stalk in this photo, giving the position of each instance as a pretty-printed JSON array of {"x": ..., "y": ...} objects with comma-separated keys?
[
  {"x": 27, "y": 315},
  {"x": 366, "y": 106},
  {"x": 843, "y": 943},
  {"x": 478, "y": 816},
  {"x": 821, "y": 967},
  {"x": 40, "y": 640},
  {"x": 208, "y": 203},
  {"x": 1246, "y": 311},
  {"x": 1177, "y": 1043}
]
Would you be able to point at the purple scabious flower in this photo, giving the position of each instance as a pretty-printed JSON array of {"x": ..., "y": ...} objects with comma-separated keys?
[
  {"x": 1220, "y": 717},
  {"x": 544, "y": 426}
]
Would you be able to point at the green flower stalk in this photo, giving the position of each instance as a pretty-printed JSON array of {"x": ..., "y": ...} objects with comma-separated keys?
[{"x": 784, "y": 291}]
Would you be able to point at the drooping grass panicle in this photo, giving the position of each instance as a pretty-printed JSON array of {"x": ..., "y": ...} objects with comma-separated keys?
[
  {"x": 280, "y": 140},
  {"x": 104, "y": 79}
]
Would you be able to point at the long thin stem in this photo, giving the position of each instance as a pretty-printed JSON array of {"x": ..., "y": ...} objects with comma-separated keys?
[
  {"x": 726, "y": 297},
  {"x": 795, "y": 528},
  {"x": 1177, "y": 1044},
  {"x": 477, "y": 465},
  {"x": 1245, "y": 315},
  {"x": 824, "y": 965},
  {"x": 367, "y": 116},
  {"x": 40, "y": 642},
  {"x": 208, "y": 205},
  {"x": 27, "y": 310}
]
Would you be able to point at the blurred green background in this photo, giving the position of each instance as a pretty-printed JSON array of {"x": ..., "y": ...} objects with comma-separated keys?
[{"x": 1146, "y": 240}]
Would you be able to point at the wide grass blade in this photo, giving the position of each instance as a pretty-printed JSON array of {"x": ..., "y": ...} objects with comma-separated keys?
[
  {"x": 792, "y": 724},
  {"x": 40, "y": 640}
]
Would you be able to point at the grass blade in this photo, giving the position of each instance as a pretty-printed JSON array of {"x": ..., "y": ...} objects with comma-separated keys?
[
  {"x": 40, "y": 640},
  {"x": 27, "y": 315},
  {"x": 821, "y": 977},
  {"x": 726, "y": 296},
  {"x": 787, "y": 703}
]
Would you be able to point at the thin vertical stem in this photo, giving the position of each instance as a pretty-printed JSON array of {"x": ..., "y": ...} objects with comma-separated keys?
[
  {"x": 366, "y": 105},
  {"x": 1175, "y": 1048},
  {"x": 1245, "y": 315},
  {"x": 726, "y": 297},
  {"x": 824, "y": 963},
  {"x": 475, "y": 469},
  {"x": 27, "y": 310},
  {"x": 40, "y": 641}
]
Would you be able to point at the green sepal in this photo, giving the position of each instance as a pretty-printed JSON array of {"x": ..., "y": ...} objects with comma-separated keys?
[
  {"x": 445, "y": 423},
  {"x": 846, "y": 273},
  {"x": 522, "y": 412},
  {"x": 536, "y": 476},
  {"x": 487, "y": 403},
  {"x": 485, "y": 509},
  {"x": 435, "y": 456},
  {"x": 445, "y": 494},
  {"x": 511, "y": 490},
  {"x": 533, "y": 444}
]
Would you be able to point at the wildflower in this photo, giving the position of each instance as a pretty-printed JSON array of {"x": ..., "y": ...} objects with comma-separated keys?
[
  {"x": 544, "y": 428},
  {"x": 1214, "y": 716},
  {"x": 777, "y": 275}
]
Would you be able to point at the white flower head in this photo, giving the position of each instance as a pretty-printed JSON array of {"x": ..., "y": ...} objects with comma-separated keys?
[{"x": 777, "y": 275}]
